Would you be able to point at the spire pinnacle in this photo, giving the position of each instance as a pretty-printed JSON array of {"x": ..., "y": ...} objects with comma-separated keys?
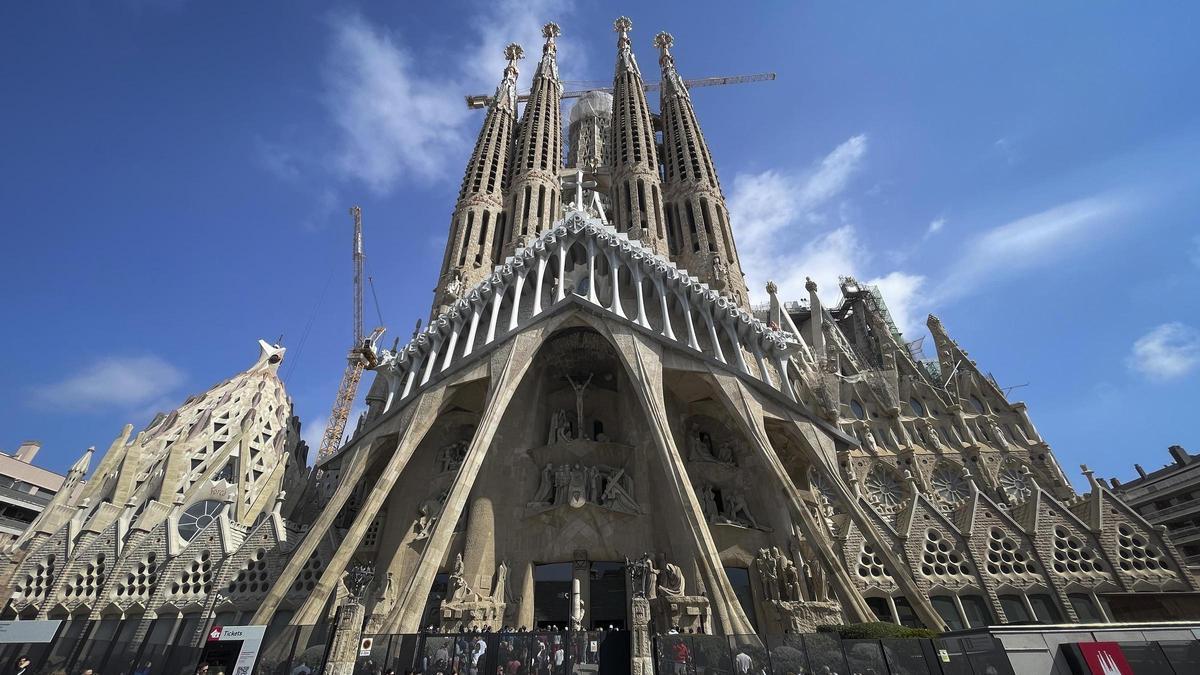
[
  {"x": 664, "y": 41},
  {"x": 513, "y": 52},
  {"x": 623, "y": 25}
]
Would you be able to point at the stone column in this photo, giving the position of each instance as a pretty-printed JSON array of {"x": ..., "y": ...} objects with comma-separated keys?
[
  {"x": 479, "y": 554},
  {"x": 640, "y": 652},
  {"x": 525, "y": 617},
  {"x": 343, "y": 650}
]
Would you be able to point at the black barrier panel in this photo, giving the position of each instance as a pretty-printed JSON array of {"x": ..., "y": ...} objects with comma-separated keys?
[
  {"x": 1147, "y": 657},
  {"x": 788, "y": 654},
  {"x": 673, "y": 654},
  {"x": 864, "y": 656},
  {"x": 1183, "y": 656},
  {"x": 824, "y": 653},
  {"x": 710, "y": 655},
  {"x": 749, "y": 654},
  {"x": 907, "y": 657}
]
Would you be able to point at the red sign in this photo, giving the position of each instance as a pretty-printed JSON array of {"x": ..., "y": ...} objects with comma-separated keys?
[
  {"x": 1105, "y": 658},
  {"x": 214, "y": 634}
]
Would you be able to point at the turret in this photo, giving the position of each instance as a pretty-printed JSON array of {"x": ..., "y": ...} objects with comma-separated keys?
[
  {"x": 700, "y": 238},
  {"x": 476, "y": 229},
  {"x": 636, "y": 193},
  {"x": 533, "y": 194}
]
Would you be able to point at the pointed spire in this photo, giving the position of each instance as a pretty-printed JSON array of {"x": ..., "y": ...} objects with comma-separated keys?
[
  {"x": 699, "y": 232},
  {"x": 636, "y": 192},
  {"x": 79, "y": 469},
  {"x": 479, "y": 214},
  {"x": 533, "y": 195}
]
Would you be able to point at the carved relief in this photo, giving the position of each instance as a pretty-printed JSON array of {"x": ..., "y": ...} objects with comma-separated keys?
[
  {"x": 576, "y": 485},
  {"x": 727, "y": 507}
]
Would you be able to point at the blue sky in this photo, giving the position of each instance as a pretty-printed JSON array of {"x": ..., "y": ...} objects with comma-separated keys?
[{"x": 175, "y": 179}]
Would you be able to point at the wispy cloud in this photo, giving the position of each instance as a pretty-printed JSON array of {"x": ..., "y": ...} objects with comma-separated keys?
[
  {"x": 112, "y": 382},
  {"x": 399, "y": 117},
  {"x": 905, "y": 302},
  {"x": 393, "y": 118},
  {"x": 935, "y": 226},
  {"x": 1169, "y": 351},
  {"x": 1028, "y": 242},
  {"x": 778, "y": 213}
]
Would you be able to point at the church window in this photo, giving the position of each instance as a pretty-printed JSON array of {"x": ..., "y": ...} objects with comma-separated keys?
[
  {"x": 1014, "y": 609},
  {"x": 627, "y": 221},
  {"x": 976, "y": 610},
  {"x": 483, "y": 231},
  {"x": 197, "y": 517},
  {"x": 672, "y": 231},
  {"x": 725, "y": 234},
  {"x": 1072, "y": 556},
  {"x": 942, "y": 560},
  {"x": 708, "y": 231},
  {"x": 466, "y": 240},
  {"x": 1005, "y": 557},
  {"x": 254, "y": 577},
  {"x": 141, "y": 580},
  {"x": 1045, "y": 609},
  {"x": 1085, "y": 608},
  {"x": 946, "y": 608},
  {"x": 870, "y": 565},
  {"x": 978, "y": 405},
  {"x": 196, "y": 578},
  {"x": 309, "y": 574},
  {"x": 645, "y": 222},
  {"x": 880, "y": 608},
  {"x": 89, "y": 580},
  {"x": 1016, "y": 483},
  {"x": 38, "y": 581},
  {"x": 657, "y": 211},
  {"x": 949, "y": 485},
  {"x": 1137, "y": 556},
  {"x": 857, "y": 409},
  {"x": 525, "y": 212},
  {"x": 917, "y": 408},
  {"x": 691, "y": 219},
  {"x": 884, "y": 489}
]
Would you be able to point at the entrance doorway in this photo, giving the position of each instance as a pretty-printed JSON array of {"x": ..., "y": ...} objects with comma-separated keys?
[
  {"x": 607, "y": 601},
  {"x": 552, "y": 595}
]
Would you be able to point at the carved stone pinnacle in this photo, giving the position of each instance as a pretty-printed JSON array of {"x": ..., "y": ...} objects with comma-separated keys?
[
  {"x": 772, "y": 288},
  {"x": 663, "y": 40},
  {"x": 810, "y": 285},
  {"x": 623, "y": 25},
  {"x": 551, "y": 31},
  {"x": 514, "y": 52}
]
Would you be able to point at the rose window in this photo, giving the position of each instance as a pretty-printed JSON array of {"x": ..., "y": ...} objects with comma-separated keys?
[
  {"x": 884, "y": 490},
  {"x": 1016, "y": 483},
  {"x": 197, "y": 517},
  {"x": 949, "y": 485}
]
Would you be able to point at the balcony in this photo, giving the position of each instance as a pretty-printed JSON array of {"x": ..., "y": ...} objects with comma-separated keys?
[
  {"x": 1162, "y": 514},
  {"x": 37, "y": 502}
]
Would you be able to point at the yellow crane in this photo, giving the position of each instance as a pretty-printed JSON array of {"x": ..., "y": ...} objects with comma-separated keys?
[
  {"x": 482, "y": 100},
  {"x": 361, "y": 354}
]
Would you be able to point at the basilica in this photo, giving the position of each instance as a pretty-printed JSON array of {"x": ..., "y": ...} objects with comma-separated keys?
[{"x": 596, "y": 413}]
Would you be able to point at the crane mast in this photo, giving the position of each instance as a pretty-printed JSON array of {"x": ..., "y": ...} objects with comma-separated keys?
[{"x": 356, "y": 360}]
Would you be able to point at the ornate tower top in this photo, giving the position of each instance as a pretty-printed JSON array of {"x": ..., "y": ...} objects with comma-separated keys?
[
  {"x": 663, "y": 42},
  {"x": 513, "y": 52},
  {"x": 625, "y": 58},
  {"x": 672, "y": 84}
]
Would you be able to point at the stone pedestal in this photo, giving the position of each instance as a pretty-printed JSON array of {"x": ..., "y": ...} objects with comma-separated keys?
[
  {"x": 688, "y": 612},
  {"x": 640, "y": 650},
  {"x": 471, "y": 614},
  {"x": 803, "y": 616},
  {"x": 343, "y": 650}
]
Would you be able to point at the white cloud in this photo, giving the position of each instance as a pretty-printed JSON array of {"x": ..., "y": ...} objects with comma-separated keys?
[
  {"x": 1029, "y": 242},
  {"x": 935, "y": 226},
  {"x": 115, "y": 381},
  {"x": 399, "y": 116},
  {"x": 775, "y": 214},
  {"x": 902, "y": 295},
  {"x": 393, "y": 119},
  {"x": 1167, "y": 352}
]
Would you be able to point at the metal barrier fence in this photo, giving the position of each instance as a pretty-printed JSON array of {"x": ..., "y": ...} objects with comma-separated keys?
[
  {"x": 821, "y": 653},
  {"x": 295, "y": 650},
  {"x": 102, "y": 647}
]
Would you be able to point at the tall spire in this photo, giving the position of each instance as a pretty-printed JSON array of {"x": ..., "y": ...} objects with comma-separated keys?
[
  {"x": 533, "y": 193},
  {"x": 479, "y": 212},
  {"x": 636, "y": 193},
  {"x": 700, "y": 237}
]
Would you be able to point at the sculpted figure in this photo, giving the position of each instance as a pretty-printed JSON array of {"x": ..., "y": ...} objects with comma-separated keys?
[
  {"x": 725, "y": 452},
  {"x": 739, "y": 511},
  {"x": 998, "y": 433},
  {"x": 672, "y": 583},
  {"x": 931, "y": 434},
  {"x": 545, "y": 490},
  {"x": 560, "y": 427},
  {"x": 768, "y": 573},
  {"x": 650, "y": 579},
  {"x": 699, "y": 445},
  {"x": 426, "y": 517},
  {"x": 869, "y": 439},
  {"x": 708, "y": 502},
  {"x": 618, "y": 493},
  {"x": 562, "y": 477}
]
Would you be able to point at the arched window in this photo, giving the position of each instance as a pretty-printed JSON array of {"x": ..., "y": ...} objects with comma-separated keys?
[{"x": 197, "y": 517}]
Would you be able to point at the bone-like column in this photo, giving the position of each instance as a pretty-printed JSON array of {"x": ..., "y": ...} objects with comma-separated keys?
[
  {"x": 745, "y": 409},
  {"x": 479, "y": 553},
  {"x": 355, "y": 464},
  {"x": 507, "y": 371},
  {"x": 424, "y": 413},
  {"x": 643, "y": 361}
]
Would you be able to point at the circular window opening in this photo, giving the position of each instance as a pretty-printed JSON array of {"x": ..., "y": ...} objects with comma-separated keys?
[{"x": 197, "y": 517}]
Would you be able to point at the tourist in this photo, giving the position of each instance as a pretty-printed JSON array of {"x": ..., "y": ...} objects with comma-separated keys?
[{"x": 24, "y": 666}]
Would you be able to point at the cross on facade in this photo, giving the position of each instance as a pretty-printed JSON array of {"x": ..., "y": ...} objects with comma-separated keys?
[{"x": 579, "y": 185}]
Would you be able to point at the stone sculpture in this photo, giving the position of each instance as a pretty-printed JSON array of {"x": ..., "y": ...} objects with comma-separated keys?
[{"x": 576, "y": 485}]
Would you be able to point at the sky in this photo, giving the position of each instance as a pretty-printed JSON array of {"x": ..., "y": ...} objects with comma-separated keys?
[{"x": 175, "y": 179}]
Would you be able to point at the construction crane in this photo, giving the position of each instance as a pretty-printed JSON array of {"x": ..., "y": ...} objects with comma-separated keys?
[
  {"x": 362, "y": 354},
  {"x": 482, "y": 100}
]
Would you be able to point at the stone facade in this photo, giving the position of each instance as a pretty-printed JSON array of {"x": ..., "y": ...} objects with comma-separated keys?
[{"x": 589, "y": 432}]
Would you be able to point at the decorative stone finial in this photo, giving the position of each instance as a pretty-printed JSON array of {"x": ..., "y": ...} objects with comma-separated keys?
[
  {"x": 514, "y": 52},
  {"x": 772, "y": 288},
  {"x": 810, "y": 285},
  {"x": 622, "y": 25},
  {"x": 933, "y": 320},
  {"x": 663, "y": 41},
  {"x": 551, "y": 31}
]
